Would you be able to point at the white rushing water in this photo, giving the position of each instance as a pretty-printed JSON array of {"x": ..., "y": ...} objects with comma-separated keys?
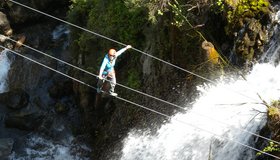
[
  {"x": 40, "y": 148},
  {"x": 5, "y": 63},
  {"x": 228, "y": 109},
  {"x": 221, "y": 121}
]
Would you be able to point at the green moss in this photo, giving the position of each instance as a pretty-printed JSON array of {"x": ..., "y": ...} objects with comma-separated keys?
[
  {"x": 272, "y": 147},
  {"x": 237, "y": 12},
  {"x": 272, "y": 111},
  {"x": 275, "y": 103}
]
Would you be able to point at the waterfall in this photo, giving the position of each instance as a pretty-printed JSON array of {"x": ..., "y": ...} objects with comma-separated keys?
[
  {"x": 229, "y": 108},
  {"x": 272, "y": 54},
  {"x": 60, "y": 32},
  {"x": 4, "y": 68},
  {"x": 219, "y": 124}
]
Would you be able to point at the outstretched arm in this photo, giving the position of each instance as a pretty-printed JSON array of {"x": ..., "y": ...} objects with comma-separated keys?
[{"x": 123, "y": 50}]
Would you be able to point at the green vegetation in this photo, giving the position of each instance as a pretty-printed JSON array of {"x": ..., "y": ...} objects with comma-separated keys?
[
  {"x": 275, "y": 103},
  {"x": 273, "y": 114},
  {"x": 273, "y": 109},
  {"x": 79, "y": 8},
  {"x": 111, "y": 18},
  {"x": 237, "y": 11},
  {"x": 153, "y": 8},
  {"x": 272, "y": 147}
]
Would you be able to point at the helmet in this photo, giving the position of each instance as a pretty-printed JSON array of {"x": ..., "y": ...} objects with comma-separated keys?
[{"x": 112, "y": 52}]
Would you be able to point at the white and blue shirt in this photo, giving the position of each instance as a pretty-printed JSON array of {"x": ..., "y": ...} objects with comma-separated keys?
[{"x": 108, "y": 65}]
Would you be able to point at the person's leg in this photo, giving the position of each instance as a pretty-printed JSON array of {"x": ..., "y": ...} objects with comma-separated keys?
[
  {"x": 113, "y": 82},
  {"x": 99, "y": 84}
]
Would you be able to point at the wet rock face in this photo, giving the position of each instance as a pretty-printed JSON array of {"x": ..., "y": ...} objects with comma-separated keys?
[
  {"x": 247, "y": 24},
  {"x": 273, "y": 115},
  {"x": 60, "y": 88},
  {"x": 14, "y": 14},
  {"x": 24, "y": 120},
  {"x": 5, "y": 30},
  {"x": 5, "y": 25},
  {"x": 250, "y": 41},
  {"x": 20, "y": 14},
  {"x": 15, "y": 99},
  {"x": 37, "y": 30},
  {"x": 6, "y": 146},
  {"x": 43, "y": 4},
  {"x": 20, "y": 113}
]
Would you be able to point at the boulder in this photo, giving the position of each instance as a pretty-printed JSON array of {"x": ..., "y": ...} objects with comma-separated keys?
[
  {"x": 273, "y": 120},
  {"x": 6, "y": 146},
  {"x": 5, "y": 25},
  {"x": 250, "y": 41},
  {"x": 15, "y": 99},
  {"x": 24, "y": 120}
]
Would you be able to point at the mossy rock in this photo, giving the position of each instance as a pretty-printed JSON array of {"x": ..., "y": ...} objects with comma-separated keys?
[
  {"x": 273, "y": 114},
  {"x": 238, "y": 11},
  {"x": 250, "y": 42}
]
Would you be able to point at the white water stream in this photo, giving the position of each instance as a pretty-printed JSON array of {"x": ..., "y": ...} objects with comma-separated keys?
[
  {"x": 5, "y": 63},
  {"x": 229, "y": 109}
]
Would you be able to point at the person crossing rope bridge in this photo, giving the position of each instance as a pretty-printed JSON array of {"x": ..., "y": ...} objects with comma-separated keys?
[
  {"x": 146, "y": 108},
  {"x": 107, "y": 70},
  {"x": 145, "y": 94}
]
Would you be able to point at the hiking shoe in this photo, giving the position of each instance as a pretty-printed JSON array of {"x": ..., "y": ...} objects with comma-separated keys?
[{"x": 113, "y": 94}]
